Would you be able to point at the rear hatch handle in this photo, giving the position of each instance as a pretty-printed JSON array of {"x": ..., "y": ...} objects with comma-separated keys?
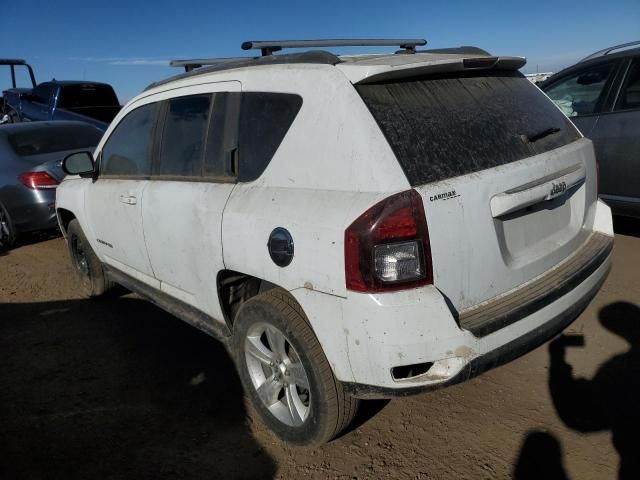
[{"x": 540, "y": 190}]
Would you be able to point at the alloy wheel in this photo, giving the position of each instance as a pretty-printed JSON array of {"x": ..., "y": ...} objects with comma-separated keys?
[{"x": 277, "y": 374}]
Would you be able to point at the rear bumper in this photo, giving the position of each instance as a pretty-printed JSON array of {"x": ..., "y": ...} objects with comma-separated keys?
[
  {"x": 417, "y": 327},
  {"x": 492, "y": 359},
  {"x": 33, "y": 210}
]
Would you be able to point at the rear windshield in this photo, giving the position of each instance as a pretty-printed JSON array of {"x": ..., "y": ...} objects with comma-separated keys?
[
  {"x": 53, "y": 138},
  {"x": 87, "y": 95},
  {"x": 445, "y": 126}
]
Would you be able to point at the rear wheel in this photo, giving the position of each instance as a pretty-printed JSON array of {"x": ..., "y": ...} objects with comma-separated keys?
[
  {"x": 86, "y": 265},
  {"x": 7, "y": 231},
  {"x": 285, "y": 372}
]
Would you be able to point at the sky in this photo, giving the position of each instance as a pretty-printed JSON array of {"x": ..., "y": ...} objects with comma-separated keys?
[{"x": 129, "y": 43}]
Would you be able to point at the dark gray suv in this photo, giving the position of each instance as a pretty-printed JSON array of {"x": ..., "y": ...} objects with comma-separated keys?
[{"x": 601, "y": 95}]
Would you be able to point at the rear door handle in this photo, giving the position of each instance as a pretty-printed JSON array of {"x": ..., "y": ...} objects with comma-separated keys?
[{"x": 128, "y": 199}]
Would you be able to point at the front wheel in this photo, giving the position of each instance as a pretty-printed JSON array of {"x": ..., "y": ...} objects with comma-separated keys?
[
  {"x": 285, "y": 372},
  {"x": 86, "y": 264}
]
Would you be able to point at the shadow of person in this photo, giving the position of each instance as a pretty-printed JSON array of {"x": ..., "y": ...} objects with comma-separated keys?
[
  {"x": 540, "y": 458},
  {"x": 117, "y": 388},
  {"x": 610, "y": 400}
]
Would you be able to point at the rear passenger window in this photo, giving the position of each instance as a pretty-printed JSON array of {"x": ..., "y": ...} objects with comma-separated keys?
[
  {"x": 630, "y": 95},
  {"x": 265, "y": 119},
  {"x": 184, "y": 136},
  {"x": 127, "y": 152}
]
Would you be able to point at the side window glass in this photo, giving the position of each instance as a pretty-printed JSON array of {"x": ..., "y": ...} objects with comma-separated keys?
[
  {"x": 630, "y": 95},
  {"x": 127, "y": 152},
  {"x": 222, "y": 140},
  {"x": 265, "y": 119},
  {"x": 184, "y": 135},
  {"x": 579, "y": 93}
]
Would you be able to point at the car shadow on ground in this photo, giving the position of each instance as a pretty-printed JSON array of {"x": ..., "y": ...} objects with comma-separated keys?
[
  {"x": 118, "y": 388},
  {"x": 626, "y": 226},
  {"x": 30, "y": 239},
  {"x": 607, "y": 402}
]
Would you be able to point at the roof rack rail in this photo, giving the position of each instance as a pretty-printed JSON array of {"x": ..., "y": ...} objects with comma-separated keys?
[
  {"x": 201, "y": 62},
  {"x": 607, "y": 51},
  {"x": 267, "y": 47}
]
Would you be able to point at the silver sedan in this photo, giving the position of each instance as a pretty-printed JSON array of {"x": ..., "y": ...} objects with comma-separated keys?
[{"x": 30, "y": 171}]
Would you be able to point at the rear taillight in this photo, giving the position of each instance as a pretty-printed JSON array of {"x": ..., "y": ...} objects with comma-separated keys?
[
  {"x": 387, "y": 247},
  {"x": 38, "y": 180}
]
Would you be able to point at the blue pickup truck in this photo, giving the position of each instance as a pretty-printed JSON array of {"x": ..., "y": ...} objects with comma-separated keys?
[{"x": 90, "y": 102}]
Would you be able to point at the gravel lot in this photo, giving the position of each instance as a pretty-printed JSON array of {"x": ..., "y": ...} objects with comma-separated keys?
[{"x": 116, "y": 388}]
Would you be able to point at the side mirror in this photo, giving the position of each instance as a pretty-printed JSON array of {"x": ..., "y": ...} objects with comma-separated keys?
[{"x": 79, "y": 163}]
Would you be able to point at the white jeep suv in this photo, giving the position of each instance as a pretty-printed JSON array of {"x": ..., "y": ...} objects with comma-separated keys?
[{"x": 351, "y": 227}]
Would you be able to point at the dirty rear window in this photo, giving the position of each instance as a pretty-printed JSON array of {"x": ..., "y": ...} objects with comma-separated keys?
[{"x": 445, "y": 126}]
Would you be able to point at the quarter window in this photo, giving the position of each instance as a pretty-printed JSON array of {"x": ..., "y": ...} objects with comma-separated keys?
[
  {"x": 630, "y": 95},
  {"x": 128, "y": 149},
  {"x": 580, "y": 93},
  {"x": 265, "y": 119},
  {"x": 184, "y": 136}
]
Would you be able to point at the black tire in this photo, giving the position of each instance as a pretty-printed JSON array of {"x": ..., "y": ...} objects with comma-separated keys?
[
  {"x": 86, "y": 265},
  {"x": 330, "y": 410},
  {"x": 7, "y": 230}
]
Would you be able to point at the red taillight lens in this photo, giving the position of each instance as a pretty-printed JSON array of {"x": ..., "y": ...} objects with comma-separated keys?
[
  {"x": 38, "y": 180},
  {"x": 387, "y": 247}
]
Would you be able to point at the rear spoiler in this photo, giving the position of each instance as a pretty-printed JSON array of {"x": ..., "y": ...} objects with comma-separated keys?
[{"x": 444, "y": 66}]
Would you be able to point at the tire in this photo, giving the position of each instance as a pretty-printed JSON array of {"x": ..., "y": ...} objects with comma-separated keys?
[
  {"x": 7, "y": 230},
  {"x": 86, "y": 265},
  {"x": 291, "y": 384}
]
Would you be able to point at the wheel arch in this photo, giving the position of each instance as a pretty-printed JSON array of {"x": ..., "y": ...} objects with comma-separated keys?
[
  {"x": 235, "y": 288},
  {"x": 64, "y": 218}
]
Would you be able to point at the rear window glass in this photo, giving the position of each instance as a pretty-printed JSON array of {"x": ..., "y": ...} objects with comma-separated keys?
[
  {"x": 445, "y": 126},
  {"x": 265, "y": 119},
  {"x": 54, "y": 138},
  {"x": 87, "y": 95}
]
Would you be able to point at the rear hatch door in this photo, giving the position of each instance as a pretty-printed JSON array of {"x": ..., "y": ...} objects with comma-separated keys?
[{"x": 505, "y": 178}]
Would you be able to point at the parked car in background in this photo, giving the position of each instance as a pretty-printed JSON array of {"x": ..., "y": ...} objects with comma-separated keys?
[
  {"x": 91, "y": 102},
  {"x": 351, "y": 227},
  {"x": 601, "y": 95},
  {"x": 30, "y": 171}
]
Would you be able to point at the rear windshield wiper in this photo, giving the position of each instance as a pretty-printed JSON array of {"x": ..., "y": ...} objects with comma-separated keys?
[{"x": 542, "y": 134}]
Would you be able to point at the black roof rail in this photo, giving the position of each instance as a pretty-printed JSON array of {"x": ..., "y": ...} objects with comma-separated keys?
[
  {"x": 607, "y": 51},
  {"x": 201, "y": 62},
  {"x": 217, "y": 64},
  {"x": 267, "y": 47}
]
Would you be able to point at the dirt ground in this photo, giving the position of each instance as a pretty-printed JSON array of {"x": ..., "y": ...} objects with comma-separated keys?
[{"x": 117, "y": 388}]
